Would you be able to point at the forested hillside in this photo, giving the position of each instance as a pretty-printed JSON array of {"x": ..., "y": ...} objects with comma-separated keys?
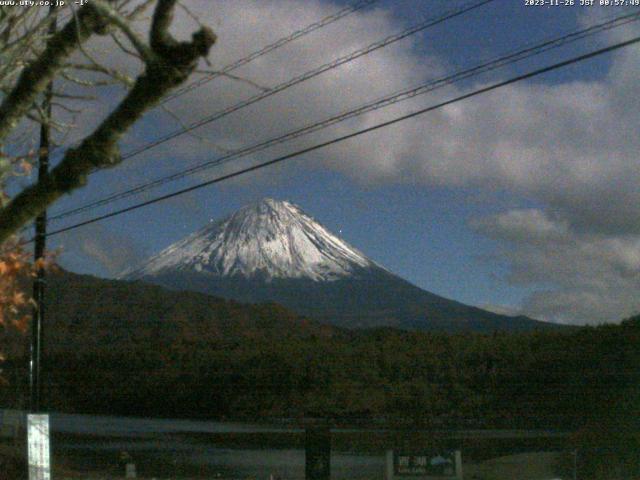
[{"x": 159, "y": 353}]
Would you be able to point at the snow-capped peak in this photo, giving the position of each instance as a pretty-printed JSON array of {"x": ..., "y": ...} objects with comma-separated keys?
[{"x": 267, "y": 239}]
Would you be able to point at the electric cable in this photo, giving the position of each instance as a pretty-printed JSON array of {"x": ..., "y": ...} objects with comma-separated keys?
[
  {"x": 432, "y": 21},
  {"x": 269, "y": 48},
  {"x": 357, "y": 133},
  {"x": 403, "y": 95}
]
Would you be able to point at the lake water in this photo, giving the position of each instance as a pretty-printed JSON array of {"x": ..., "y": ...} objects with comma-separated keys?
[
  {"x": 175, "y": 448},
  {"x": 180, "y": 449}
]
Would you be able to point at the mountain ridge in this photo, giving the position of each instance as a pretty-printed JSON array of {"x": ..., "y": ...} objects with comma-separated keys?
[
  {"x": 269, "y": 238},
  {"x": 273, "y": 251}
]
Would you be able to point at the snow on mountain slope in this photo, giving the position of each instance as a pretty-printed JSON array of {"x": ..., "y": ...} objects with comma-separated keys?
[
  {"x": 271, "y": 251},
  {"x": 268, "y": 239}
]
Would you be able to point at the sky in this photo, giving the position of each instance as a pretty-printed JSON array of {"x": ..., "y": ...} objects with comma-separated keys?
[{"x": 523, "y": 200}]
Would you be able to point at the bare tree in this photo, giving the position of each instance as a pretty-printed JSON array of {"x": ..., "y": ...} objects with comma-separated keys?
[
  {"x": 166, "y": 62},
  {"x": 32, "y": 56}
]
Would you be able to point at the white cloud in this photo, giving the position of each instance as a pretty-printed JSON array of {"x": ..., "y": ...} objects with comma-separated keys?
[
  {"x": 111, "y": 251},
  {"x": 502, "y": 309},
  {"x": 573, "y": 146},
  {"x": 579, "y": 277},
  {"x": 244, "y": 26},
  {"x": 569, "y": 145},
  {"x": 529, "y": 226}
]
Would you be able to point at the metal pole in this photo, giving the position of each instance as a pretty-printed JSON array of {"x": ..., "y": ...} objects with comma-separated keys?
[
  {"x": 37, "y": 330},
  {"x": 318, "y": 452}
]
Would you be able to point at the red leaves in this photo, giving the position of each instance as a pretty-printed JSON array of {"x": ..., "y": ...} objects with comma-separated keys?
[
  {"x": 14, "y": 266},
  {"x": 21, "y": 323},
  {"x": 15, "y": 271},
  {"x": 24, "y": 167}
]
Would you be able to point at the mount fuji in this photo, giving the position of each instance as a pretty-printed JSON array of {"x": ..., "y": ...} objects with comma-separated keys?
[{"x": 271, "y": 251}]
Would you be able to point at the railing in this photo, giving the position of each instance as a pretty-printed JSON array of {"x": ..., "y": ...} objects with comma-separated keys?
[{"x": 109, "y": 447}]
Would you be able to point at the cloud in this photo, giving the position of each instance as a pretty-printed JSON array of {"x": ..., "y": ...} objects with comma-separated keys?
[
  {"x": 571, "y": 145},
  {"x": 529, "y": 226},
  {"x": 245, "y": 26},
  {"x": 578, "y": 277},
  {"x": 502, "y": 309},
  {"x": 110, "y": 251},
  {"x": 581, "y": 250}
]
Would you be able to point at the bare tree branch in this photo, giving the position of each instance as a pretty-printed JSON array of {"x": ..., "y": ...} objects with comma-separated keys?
[
  {"x": 123, "y": 47},
  {"x": 171, "y": 64},
  {"x": 116, "y": 75},
  {"x": 114, "y": 17},
  {"x": 34, "y": 78},
  {"x": 138, "y": 10}
]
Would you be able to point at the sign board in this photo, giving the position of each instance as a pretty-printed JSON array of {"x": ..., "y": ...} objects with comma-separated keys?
[
  {"x": 429, "y": 464},
  {"x": 38, "y": 447}
]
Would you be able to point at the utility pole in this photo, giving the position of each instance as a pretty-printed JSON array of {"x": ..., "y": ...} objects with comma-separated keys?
[
  {"x": 38, "y": 442},
  {"x": 37, "y": 333}
]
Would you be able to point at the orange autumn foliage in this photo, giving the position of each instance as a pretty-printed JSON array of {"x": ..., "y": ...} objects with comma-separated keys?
[{"x": 16, "y": 269}]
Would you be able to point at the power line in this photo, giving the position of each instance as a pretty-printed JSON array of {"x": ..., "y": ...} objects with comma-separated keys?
[
  {"x": 304, "y": 77},
  {"x": 359, "y": 5},
  {"x": 432, "y": 21},
  {"x": 269, "y": 48},
  {"x": 311, "y": 74},
  {"x": 403, "y": 95},
  {"x": 342, "y": 138}
]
